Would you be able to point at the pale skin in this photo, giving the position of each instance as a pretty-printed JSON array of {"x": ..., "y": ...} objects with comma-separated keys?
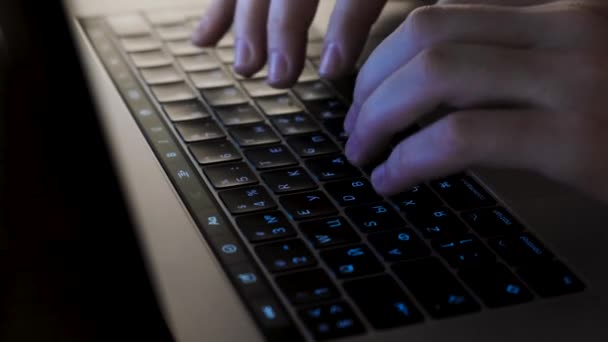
[{"x": 527, "y": 81}]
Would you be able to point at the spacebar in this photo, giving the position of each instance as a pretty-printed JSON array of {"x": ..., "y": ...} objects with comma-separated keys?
[{"x": 253, "y": 288}]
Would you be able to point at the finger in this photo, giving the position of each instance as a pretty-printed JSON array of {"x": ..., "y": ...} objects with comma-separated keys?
[
  {"x": 456, "y": 76},
  {"x": 250, "y": 35},
  {"x": 288, "y": 25},
  {"x": 435, "y": 25},
  {"x": 349, "y": 27},
  {"x": 214, "y": 23},
  {"x": 501, "y": 138}
]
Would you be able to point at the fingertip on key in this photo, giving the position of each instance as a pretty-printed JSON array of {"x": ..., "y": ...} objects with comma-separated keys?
[
  {"x": 243, "y": 57},
  {"x": 331, "y": 62},
  {"x": 278, "y": 70},
  {"x": 379, "y": 179}
]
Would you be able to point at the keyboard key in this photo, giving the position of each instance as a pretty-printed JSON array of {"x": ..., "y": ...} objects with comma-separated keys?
[
  {"x": 246, "y": 200},
  {"x": 383, "y": 302},
  {"x": 129, "y": 25},
  {"x": 227, "y": 40},
  {"x": 230, "y": 175},
  {"x": 199, "y": 130},
  {"x": 462, "y": 193},
  {"x": 352, "y": 192},
  {"x": 225, "y": 96},
  {"x": 229, "y": 249},
  {"x": 328, "y": 232},
  {"x": 331, "y": 108},
  {"x": 279, "y": 104},
  {"x": 248, "y": 279},
  {"x": 161, "y": 75},
  {"x": 225, "y": 54},
  {"x": 492, "y": 221},
  {"x": 308, "y": 205},
  {"x": 375, "y": 217},
  {"x": 330, "y": 321},
  {"x": 293, "y": 124},
  {"x": 260, "y": 88},
  {"x": 416, "y": 198},
  {"x": 150, "y": 59},
  {"x": 266, "y": 226},
  {"x": 336, "y": 129},
  {"x": 140, "y": 44},
  {"x": 551, "y": 279},
  {"x": 289, "y": 180},
  {"x": 174, "y": 32},
  {"x": 331, "y": 168},
  {"x": 273, "y": 320},
  {"x": 200, "y": 62},
  {"x": 520, "y": 249},
  {"x": 311, "y": 91},
  {"x": 435, "y": 287},
  {"x": 214, "y": 151},
  {"x": 496, "y": 286},
  {"x": 308, "y": 287},
  {"x": 172, "y": 92},
  {"x": 165, "y": 18},
  {"x": 353, "y": 261},
  {"x": 285, "y": 255},
  {"x": 399, "y": 245},
  {"x": 186, "y": 110},
  {"x": 215, "y": 78},
  {"x": 239, "y": 115},
  {"x": 314, "y": 49},
  {"x": 312, "y": 145},
  {"x": 464, "y": 251},
  {"x": 260, "y": 74},
  {"x": 265, "y": 158},
  {"x": 437, "y": 223},
  {"x": 255, "y": 135},
  {"x": 183, "y": 48}
]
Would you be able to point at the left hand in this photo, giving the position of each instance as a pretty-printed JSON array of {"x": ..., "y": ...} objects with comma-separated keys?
[{"x": 529, "y": 84}]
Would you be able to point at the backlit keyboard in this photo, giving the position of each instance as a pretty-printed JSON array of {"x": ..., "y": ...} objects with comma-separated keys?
[{"x": 312, "y": 250}]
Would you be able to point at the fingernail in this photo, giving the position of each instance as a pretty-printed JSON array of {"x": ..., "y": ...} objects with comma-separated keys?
[
  {"x": 379, "y": 178},
  {"x": 198, "y": 36},
  {"x": 331, "y": 61},
  {"x": 242, "y": 56},
  {"x": 277, "y": 67}
]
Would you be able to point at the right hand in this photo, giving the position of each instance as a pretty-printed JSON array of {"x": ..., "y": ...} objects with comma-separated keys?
[{"x": 277, "y": 30}]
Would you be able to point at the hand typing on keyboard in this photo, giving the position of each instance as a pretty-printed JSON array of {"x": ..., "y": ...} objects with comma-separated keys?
[
  {"x": 525, "y": 81},
  {"x": 277, "y": 30}
]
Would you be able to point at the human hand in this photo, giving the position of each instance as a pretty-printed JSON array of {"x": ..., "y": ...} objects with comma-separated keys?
[
  {"x": 529, "y": 85},
  {"x": 279, "y": 28}
]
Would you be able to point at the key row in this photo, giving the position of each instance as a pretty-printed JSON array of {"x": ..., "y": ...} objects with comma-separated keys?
[{"x": 381, "y": 299}]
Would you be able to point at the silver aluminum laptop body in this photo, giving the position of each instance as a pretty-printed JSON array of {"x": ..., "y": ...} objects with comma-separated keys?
[{"x": 200, "y": 304}]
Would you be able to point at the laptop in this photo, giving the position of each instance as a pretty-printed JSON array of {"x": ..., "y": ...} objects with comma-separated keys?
[{"x": 254, "y": 227}]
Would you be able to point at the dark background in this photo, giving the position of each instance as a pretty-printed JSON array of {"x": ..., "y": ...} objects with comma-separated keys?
[{"x": 70, "y": 267}]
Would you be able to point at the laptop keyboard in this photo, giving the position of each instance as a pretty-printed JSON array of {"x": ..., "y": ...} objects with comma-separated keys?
[{"x": 310, "y": 247}]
